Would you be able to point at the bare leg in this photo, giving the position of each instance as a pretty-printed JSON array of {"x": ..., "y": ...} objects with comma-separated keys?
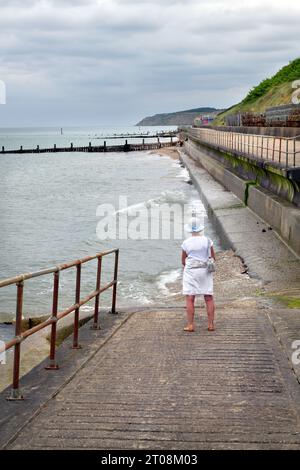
[
  {"x": 190, "y": 310},
  {"x": 210, "y": 308}
]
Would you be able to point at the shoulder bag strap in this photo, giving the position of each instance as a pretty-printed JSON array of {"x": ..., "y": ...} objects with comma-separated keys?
[{"x": 208, "y": 247}]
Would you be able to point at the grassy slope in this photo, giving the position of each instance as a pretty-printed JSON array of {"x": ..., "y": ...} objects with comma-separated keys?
[
  {"x": 273, "y": 91},
  {"x": 281, "y": 94}
]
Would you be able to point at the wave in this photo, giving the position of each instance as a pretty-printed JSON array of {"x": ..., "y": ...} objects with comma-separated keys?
[
  {"x": 165, "y": 197},
  {"x": 166, "y": 279},
  {"x": 183, "y": 174}
]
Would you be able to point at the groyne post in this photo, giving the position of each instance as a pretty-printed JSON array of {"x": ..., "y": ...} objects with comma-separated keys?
[{"x": 104, "y": 146}]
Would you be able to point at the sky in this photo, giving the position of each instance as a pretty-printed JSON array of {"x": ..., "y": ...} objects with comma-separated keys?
[{"x": 113, "y": 62}]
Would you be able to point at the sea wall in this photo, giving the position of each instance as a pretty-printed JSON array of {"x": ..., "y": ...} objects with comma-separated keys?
[{"x": 267, "y": 191}]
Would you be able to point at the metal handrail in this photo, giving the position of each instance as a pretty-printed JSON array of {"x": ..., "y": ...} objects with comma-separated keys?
[
  {"x": 290, "y": 138},
  {"x": 252, "y": 145},
  {"x": 206, "y": 128},
  {"x": 56, "y": 316}
]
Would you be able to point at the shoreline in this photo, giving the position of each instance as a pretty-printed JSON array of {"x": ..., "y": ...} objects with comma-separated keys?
[
  {"x": 171, "y": 152},
  {"x": 236, "y": 283}
]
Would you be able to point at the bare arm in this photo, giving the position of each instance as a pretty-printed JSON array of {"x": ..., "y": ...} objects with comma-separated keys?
[
  {"x": 183, "y": 257},
  {"x": 212, "y": 251}
]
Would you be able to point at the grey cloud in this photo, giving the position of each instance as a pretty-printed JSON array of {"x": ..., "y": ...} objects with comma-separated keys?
[{"x": 106, "y": 59}]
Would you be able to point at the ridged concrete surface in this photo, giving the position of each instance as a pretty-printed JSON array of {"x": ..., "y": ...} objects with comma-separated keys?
[{"x": 154, "y": 386}]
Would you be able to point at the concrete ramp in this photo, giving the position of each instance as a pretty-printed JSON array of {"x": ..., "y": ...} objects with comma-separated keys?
[{"x": 153, "y": 386}]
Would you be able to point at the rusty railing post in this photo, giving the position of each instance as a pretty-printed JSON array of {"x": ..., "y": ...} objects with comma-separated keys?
[
  {"x": 76, "y": 313},
  {"x": 114, "y": 295},
  {"x": 16, "y": 393},
  {"x": 52, "y": 363},
  {"x": 280, "y": 146},
  {"x": 96, "y": 325}
]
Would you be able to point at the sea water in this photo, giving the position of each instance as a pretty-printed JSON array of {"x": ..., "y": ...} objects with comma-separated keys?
[{"x": 48, "y": 211}]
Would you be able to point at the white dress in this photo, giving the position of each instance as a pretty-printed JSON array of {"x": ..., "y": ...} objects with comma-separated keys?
[{"x": 196, "y": 279}]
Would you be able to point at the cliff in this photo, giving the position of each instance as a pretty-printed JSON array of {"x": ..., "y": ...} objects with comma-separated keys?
[{"x": 176, "y": 119}]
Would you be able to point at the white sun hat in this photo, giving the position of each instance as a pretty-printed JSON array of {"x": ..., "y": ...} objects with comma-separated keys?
[{"x": 194, "y": 226}]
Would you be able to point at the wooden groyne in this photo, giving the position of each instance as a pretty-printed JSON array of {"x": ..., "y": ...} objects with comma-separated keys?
[
  {"x": 126, "y": 147},
  {"x": 139, "y": 136}
]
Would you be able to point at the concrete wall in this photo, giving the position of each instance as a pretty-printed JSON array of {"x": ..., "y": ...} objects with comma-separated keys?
[
  {"x": 279, "y": 213},
  {"x": 284, "y": 183}
]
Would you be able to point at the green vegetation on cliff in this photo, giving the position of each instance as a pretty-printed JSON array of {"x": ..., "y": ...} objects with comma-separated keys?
[{"x": 273, "y": 91}]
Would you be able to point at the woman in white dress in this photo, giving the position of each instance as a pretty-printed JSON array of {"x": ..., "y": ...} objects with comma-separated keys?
[{"x": 197, "y": 280}]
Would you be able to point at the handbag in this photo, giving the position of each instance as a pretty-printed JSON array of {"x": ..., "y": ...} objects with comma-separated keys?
[
  {"x": 211, "y": 266},
  {"x": 195, "y": 264}
]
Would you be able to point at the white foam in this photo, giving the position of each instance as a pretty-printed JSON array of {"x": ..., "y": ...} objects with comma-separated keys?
[
  {"x": 137, "y": 294},
  {"x": 166, "y": 278},
  {"x": 87, "y": 308},
  {"x": 172, "y": 196},
  {"x": 184, "y": 174},
  {"x": 165, "y": 197}
]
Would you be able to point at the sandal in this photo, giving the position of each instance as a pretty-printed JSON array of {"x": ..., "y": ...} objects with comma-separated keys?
[
  {"x": 189, "y": 329},
  {"x": 211, "y": 328}
]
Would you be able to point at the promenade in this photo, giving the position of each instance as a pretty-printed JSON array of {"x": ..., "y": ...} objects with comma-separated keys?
[{"x": 280, "y": 152}]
